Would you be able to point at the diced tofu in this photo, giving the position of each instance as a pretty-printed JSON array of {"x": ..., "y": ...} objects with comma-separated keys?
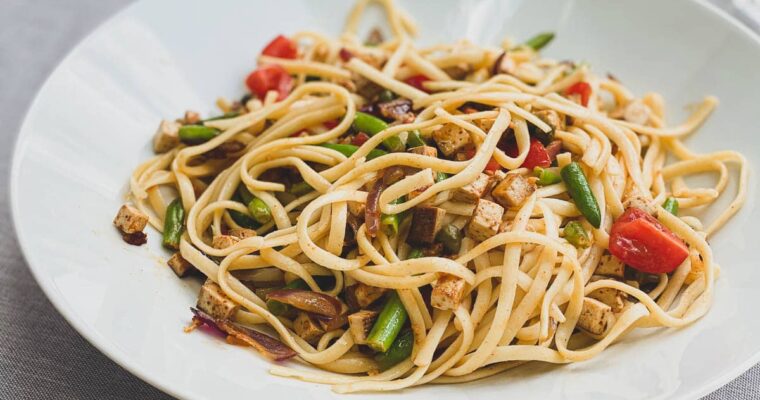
[
  {"x": 429, "y": 151},
  {"x": 366, "y": 294},
  {"x": 609, "y": 296},
  {"x": 485, "y": 220},
  {"x": 224, "y": 241},
  {"x": 214, "y": 302},
  {"x": 596, "y": 317},
  {"x": 307, "y": 328},
  {"x": 242, "y": 233},
  {"x": 191, "y": 117},
  {"x": 426, "y": 223},
  {"x": 166, "y": 136},
  {"x": 610, "y": 266},
  {"x": 179, "y": 265},
  {"x": 473, "y": 191},
  {"x": 450, "y": 138},
  {"x": 130, "y": 220},
  {"x": 447, "y": 292},
  {"x": 360, "y": 324},
  {"x": 485, "y": 124},
  {"x": 356, "y": 208},
  {"x": 513, "y": 190}
]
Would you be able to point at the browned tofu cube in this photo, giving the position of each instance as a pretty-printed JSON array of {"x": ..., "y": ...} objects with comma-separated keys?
[
  {"x": 614, "y": 298},
  {"x": 307, "y": 328},
  {"x": 130, "y": 220},
  {"x": 242, "y": 233},
  {"x": 214, "y": 302},
  {"x": 513, "y": 190},
  {"x": 224, "y": 241},
  {"x": 360, "y": 324},
  {"x": 425, "y": 151},
  {"x": 485, "y": 220},
  {"x": 166, "y": 136},
  {"x": 596, "y": 317},
  {"x": 179, "y": 265},
  {"x": 450, "y": 138},
  {"x": 485, "y": 124},
  {"x": 366, "y": 294},
  {"x": 610, "y": 266},
  {"x": 473, "y": 191},
  {"x": 447, "y": 292},
  {"x": 426, "y": 223}
]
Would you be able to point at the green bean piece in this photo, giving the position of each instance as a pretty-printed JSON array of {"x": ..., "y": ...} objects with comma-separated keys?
[
  {"x": 576, "y": 235},
  {"x": 414, "y": 139},
  {"x": 389, "y": 323},
  {"x": 174, "y": 224},
  {"x": 386, "y": 95},
  {"x": 400, "y": 350},
  {"x": 227, "y": 115},
  {"x": 278, "y": 308},
  {"x": 451, "y": 238},
  {"x": 440, "y": 176},
  {"x": 389, "y": 224},
  {"x": 415, "y": 253},
  {"x": 259, "y": 211},
  {"x": 539, "y": 41},
  {"x": 372, "y": 125},
  {"x": 671, "y": 205},
  {"x": 242, "y": 219},
  {"x": 301, "y": 188},
  {"x": 244, "y": 194},
  {"x": 580, "y": 191},
  {"x": 546, "y": 177},
  {"x": 197, "y": 134},
  {"x": 348, "y": 150}
]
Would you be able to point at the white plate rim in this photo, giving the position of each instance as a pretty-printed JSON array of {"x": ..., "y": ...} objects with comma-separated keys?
[{"x": 122, "y": 359}]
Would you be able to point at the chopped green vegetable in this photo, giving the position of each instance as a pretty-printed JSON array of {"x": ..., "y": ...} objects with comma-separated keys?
[
  {"x": 174, "y": 224},
  {"x": 386, "y": 95},
  {"x": 348, "y": 150},
  {"x": 388, "y": 325},
  {"x": 576, "y": 235},
  {"x": 415, "y": 253},
  {"x": 301, "y": 188},
  {"x": 671, "y": 205},
  {"x": 539, "y": 41},
  {"x": 414, "y": 139},
  {"x": 400, "y": 350},
  {"x": 451, "y": 238},
  {"x": 580, "y": 191},
  {"x": 196, "y": 134},
  {"x": 259, "y": 211},
  {"x": 546, "y": 177},
  {"x": 227, "y": 115},
  {"x": 440, "y": 176},
  {"x": 372, "y": 125}
]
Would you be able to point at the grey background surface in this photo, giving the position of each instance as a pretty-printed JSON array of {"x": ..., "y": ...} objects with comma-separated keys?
[{"x": 41, "y": 356}]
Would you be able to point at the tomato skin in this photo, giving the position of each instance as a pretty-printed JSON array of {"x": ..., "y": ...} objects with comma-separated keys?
[
  {"x": 417, "y": 81},
  {"x": 537, "y": 155},
  {"x": 643, "y": 243},
  {"x": 359, "y": 139},
  {"x": 270, "y": 77},
  {"x": 492, "y": 165},
  {"x": 281, "y": 47},
  {"x": 582, "y": 89}
]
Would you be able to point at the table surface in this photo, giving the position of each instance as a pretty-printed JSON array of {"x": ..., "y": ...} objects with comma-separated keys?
[{"x": 41, "y": 356}]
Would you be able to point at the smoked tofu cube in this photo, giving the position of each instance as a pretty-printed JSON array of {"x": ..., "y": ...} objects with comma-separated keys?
[
  {"x": 513, "y": 190},
  {"x": 485, "y": 220},
  {"x": 596, "y": 317},
  {"x": 242, "y": 233},
  {"x": 447, "y": 292},
  {"x": 307, "y": 328},
  {"x": 473, "y": 191},
  {"x": 426, "y": 223},
  {"x": 366, "y": 294},
  {"x": 130, "y": 220},
  {"x": 610, "y": 266},
  {"x": 614, "y": 298},
  {"x": 429, "y": 151},
  {"x": 450, "y": 138},
  {"x": 224, "y": 241},
  {"x": 214, "y": 302},
  {"x": 166, "y": 136},
  {"x": 179, "y": 265},
  {"x": 360, "y": 324}
]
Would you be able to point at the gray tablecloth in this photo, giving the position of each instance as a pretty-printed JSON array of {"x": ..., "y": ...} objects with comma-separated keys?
[{"x": 41, "y": 356}]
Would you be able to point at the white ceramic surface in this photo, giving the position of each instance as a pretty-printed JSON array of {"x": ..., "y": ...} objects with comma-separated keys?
[{"x": 92, "y": 121}]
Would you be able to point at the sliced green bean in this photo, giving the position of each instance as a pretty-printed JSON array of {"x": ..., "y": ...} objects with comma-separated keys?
[
  {"x": 414, "y": 139},
  {"x": 227, "y": 115},
  {"x": 576, "y": 235},
  {"x": 174, "y": 224},
  {"x": 671, "y": 205},
  {"x": 440, "y": 176},
  {"x": 386, "y": 95},
  {"x": 546, "y": 177},
  {"x": 348, "y": 150},
  {"x": 415, "y": 253},
  {"x": 301, "y": 188},
  {"x": 539, "y": 41},
  {"x": 197, "y": 134},
  {"x": 389, "y": 323},
  {"x": 259, "y": 211},
  {"x": 580, "y": 191},
  {"x": 400, "y": 350},
  {"x": 372, "y": 125},
  {"x": 389, "y": 224},
  {"x": 451, "y": 238}
]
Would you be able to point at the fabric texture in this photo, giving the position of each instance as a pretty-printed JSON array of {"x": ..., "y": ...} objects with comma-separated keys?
[{"x": 41, "y": 356}]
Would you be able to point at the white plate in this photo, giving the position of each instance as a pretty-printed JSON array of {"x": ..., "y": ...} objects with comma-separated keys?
[{"x": 92, "y": 121}]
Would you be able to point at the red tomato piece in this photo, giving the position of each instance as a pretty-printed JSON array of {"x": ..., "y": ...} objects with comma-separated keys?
[
  {"x": 582, "y": 89},
  {"x": 345, "y": 54},
  {"x": 270, "y": 77},
  {"x": 359, "y": 139},
  {"x": 537, "y": 154},
  {"x": 642, "y": 242},
  {"x": 417, "y": 81},
  {"x": 331, "y": 124},
  {"x": 281, "y": 47},
  {"x": 301, "y": 133},
  {"x": 492, "y": 165}
]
